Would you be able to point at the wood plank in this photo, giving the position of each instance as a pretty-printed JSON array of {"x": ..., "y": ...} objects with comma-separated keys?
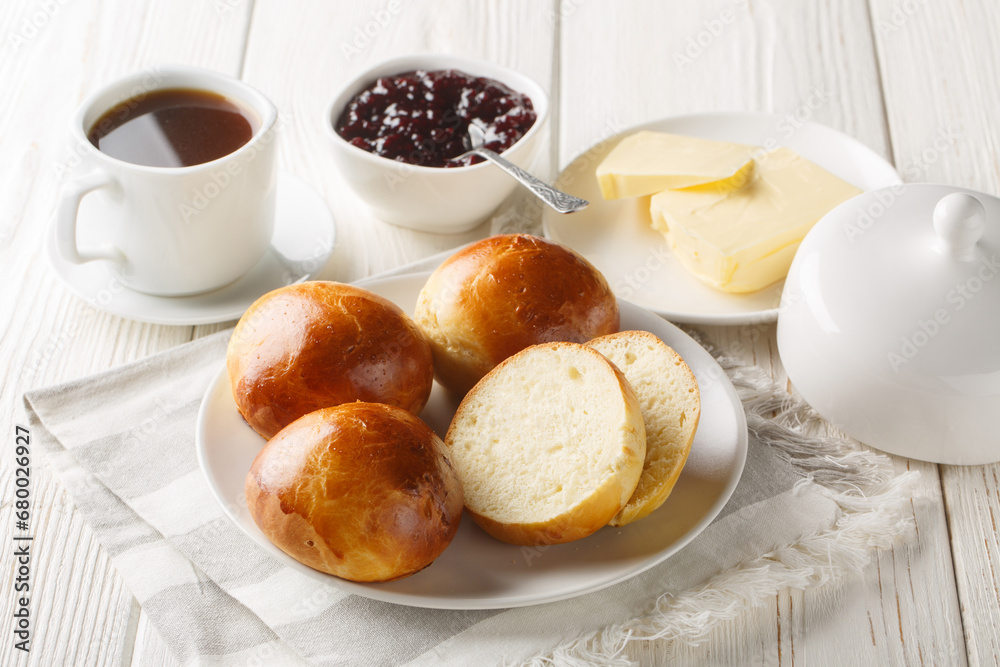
[
  {"x": 973, "y": 501},
  {"x": 78, "y": 604},
  {"x": 946, "y": 56},
  {"x": 811, "y": 60},
  {"x": 940, "y": 65},
  {"x": 150, "y": 650},
  {"x": 780, "y": 57},
  {"x": 906, "y": 598},
  {"x": 80, "y": 609}
]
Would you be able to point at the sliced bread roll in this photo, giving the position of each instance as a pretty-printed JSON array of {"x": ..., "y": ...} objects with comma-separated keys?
[
  {"x": 671, "y": 406},
  {"x": 548, "y": 445}
]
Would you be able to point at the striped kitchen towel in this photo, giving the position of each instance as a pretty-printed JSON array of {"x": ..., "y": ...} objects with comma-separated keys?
[{"x": 806, "y": 511}]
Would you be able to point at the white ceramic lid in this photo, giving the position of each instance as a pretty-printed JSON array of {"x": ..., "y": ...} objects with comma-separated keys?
[{"x": 890, "y": 321}]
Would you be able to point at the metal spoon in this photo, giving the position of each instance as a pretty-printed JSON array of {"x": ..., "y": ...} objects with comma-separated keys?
[{"x": 557, "y": 199}]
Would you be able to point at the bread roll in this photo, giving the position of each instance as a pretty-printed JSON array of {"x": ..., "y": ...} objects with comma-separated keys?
[
  {"x": 548, "y": 446},
  {"x": 362, "y": 491},
  {"x": 671, "y": 407},
  {"x": 318, "y": 344},
  {"x": 504, "y": 293}
]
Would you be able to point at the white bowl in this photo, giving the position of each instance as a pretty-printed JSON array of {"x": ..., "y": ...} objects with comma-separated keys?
[{"x": 433, "y": 199}]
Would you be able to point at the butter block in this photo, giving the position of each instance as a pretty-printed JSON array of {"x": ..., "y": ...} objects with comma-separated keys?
[
  {"x": 647, "y": 162},
  {"x": 744, "y": 239}
]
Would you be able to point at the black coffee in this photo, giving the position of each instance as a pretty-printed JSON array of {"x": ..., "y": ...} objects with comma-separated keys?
[{"x": 175, "y": 127}]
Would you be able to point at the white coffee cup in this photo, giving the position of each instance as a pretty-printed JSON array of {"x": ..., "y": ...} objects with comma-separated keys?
[{"x": 174, "y": 231}]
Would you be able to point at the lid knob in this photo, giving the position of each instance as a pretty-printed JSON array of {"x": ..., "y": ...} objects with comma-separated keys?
[{"x": 959, "y": 220}]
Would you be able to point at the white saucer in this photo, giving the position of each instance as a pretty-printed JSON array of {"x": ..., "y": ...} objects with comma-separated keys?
[
  {"x": 477, "y": 571},
  {"x": 304, "y": 235},
  {"x": 616, "y": 236}
]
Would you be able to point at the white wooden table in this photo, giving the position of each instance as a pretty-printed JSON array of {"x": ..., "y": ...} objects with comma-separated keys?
[{"x": 916, "y": 80}]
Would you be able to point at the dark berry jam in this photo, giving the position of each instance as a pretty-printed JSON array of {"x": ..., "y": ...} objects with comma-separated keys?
[{"x": 421, "y": 117}]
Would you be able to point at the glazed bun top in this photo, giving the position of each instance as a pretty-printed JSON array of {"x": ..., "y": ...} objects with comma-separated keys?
[
  {"x": 319, "y": 344},
  {"x": 498, "y": 296},
  {"x": 363, "y": 491}
]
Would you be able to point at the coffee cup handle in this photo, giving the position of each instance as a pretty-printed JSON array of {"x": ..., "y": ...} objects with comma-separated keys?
[{"x": 66, "y": 217}]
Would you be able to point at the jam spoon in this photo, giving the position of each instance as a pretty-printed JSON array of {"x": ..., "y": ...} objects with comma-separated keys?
[{"x": 557, "y": 199}]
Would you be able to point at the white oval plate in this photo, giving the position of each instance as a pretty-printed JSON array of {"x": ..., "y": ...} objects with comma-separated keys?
[
  {"x": 477, "y": 571},
  {"x": 617, "y": 238}
]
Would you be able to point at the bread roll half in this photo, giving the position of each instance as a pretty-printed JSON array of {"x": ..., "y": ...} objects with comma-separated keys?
[
  {"x": 548, "y": 446},
  {"x": 671, "y": 407}
]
